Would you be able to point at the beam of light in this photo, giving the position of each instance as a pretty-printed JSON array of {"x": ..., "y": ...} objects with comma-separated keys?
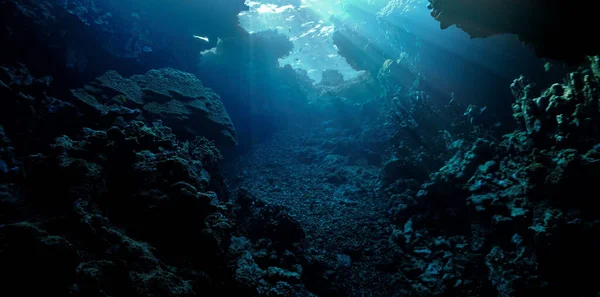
[
  {"x": 308, "y": 27},
  {"x": 202, "y": 38},
  {"x": 268, "y": 8},
  {"x": 324, "y": 8},
  {"x": 272, "y": 8}
]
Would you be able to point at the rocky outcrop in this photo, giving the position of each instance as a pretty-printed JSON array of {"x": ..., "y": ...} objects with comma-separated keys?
[
  {"x": 94, "y": 202},
  {"x": 398, "y": 73},
  {"x": 564, "y": 115},
  {"x": 557, "y": 29},
  {"x": 354, "y": 47},
  {"x": 87, "y": 211},
  {"x": 515, "y": 216},
  {"x": 359, "y": 89},
  {"x": 177, "y": 98},
  {"x": 83, "y": 39},
  {"x": 331, "y": 77},
  {"x": 368, "y": 47}
]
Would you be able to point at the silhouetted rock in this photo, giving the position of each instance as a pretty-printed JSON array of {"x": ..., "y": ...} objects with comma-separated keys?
[
  {"x": 96, "y": 203},
  {"x": 75, "y": 41},
  {"x": 557, "y": 29},
  {"x": 177, "y": 98}
]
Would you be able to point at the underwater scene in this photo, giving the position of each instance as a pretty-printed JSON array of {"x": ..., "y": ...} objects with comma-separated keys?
[{"x": 299, "y": 148}]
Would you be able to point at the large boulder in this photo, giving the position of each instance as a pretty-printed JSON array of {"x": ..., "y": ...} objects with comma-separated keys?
[{"x": 177, "y": 98}]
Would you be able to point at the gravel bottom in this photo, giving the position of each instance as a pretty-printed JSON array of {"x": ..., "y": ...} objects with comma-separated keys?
[{"x": 333, "y": 197}]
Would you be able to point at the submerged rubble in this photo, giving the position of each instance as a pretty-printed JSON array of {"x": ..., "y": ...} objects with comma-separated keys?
[
  {"x": 478, "y": 215},
  {"x": 507, "y": 202},
  {"x": 114, "y": 179}
]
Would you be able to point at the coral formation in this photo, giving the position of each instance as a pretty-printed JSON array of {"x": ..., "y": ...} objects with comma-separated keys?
[
  {"x": 177, "y": 98},
  {"x": 119, "y": 173},
  {"x": 102, "y": 204}
]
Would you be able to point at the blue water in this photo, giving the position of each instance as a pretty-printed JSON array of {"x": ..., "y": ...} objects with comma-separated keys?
[{"x": 307, "y": 148}]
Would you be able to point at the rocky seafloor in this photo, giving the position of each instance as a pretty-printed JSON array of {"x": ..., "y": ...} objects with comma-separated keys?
[
  {"x": 509, "y": 216},
  {"x": 117, "y": 178}
]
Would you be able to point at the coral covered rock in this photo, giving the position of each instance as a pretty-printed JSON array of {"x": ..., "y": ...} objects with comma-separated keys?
[
  {"x": 94, "y": 202},
  {"x": 177, "y": 98},
  {"x": 566, "y": 114}
]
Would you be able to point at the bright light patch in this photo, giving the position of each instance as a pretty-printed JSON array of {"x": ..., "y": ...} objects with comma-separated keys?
[
  {"x": 325, "y": 8},
  {"x": 268, "y": 8},
  {"x": 201, "y": 37},
  {"x": 309, "y": 32},
  {"x": 307, "y": 25},
  {"x": 326, "y": 30},
  {"x": 209, "y": 51}
]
